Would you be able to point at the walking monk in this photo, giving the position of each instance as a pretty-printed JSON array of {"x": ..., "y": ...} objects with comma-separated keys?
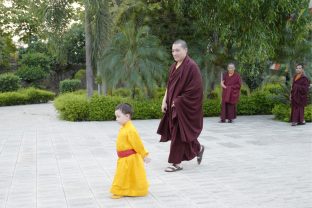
[
  {"x": 182, "y": 121},
  {"x": 299, "y": 96},
  {"x": 231, "y": 84}
]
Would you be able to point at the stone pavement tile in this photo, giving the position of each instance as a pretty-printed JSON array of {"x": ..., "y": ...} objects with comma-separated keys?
[
  {"x": 256, "y": 163},
  {"x": 82, "y": 202},
  {"x": 142, "y": 202},
  {"x": 51, "y": 202},
  {"x": 20, "y": 204}
]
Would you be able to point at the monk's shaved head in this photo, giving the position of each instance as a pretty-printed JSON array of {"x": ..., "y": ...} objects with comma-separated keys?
[
  {"x": 179, "y": 50},
  {"x": 181, "y": 42}
]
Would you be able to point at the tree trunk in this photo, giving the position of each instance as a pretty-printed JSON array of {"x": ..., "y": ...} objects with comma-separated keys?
[
  {"x": 89, "y": 70},
  {"x": 104, "y": 88}
]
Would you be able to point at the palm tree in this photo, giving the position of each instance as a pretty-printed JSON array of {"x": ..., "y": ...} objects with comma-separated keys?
[{"x": 134, "y": 58}]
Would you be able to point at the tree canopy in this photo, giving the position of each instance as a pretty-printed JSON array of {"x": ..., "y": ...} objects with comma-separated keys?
[{"x": 253, "y": 34}]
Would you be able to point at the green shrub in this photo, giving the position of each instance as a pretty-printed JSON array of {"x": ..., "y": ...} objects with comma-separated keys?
[
  {"x": 281, "y": 112},
  {"x": 257, "y": 103},
  {"x": 158, "y": 93},
  {"x": 103, "y": 107},
  {"x": 280, "y": 94},
  {"x": 146, "y": 109},
  {"x": 12, "y": 98},
  {"x": 308, "y": 113},
  {"x": 310, "y": 96},
  {"x": 246, "y": 106},
  {"x": 69, "y": 85},
  {"x": 80, "y": 75},
  {"x": 37, "y": 95},
  {"x": 262, "y": 102},
  {"x": 25, "y": 96},
  {"x": 218, "y": 90},
  {"x": 72, "y": 107},
  {"x": 35, "y": 59},
  {"x": 122, "y": 92},
  {"x": 212, "y": 95},
  {"x": 272, "y": 88},
  {"x": 212, "y": 107},
  {"x": 245, "y": 90},
  {"x": 9, "y": 82},
  {"x": 31, "y": 74}
]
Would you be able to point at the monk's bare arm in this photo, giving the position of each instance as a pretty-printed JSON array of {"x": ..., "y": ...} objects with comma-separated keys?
[{"x": 164, "y": 103}]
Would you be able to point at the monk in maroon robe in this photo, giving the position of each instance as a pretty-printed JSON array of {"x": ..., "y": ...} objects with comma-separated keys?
[
  {"x": 231, "y": 84},
  {"x": 182, "y": 121},
  {"x": 299, "y": 96}
]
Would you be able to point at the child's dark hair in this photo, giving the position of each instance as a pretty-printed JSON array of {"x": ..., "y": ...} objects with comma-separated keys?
[{"x": 125, "y": 108}]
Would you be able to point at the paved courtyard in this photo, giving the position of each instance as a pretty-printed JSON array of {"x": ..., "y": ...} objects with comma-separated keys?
[{"x": 253, "y": 163}]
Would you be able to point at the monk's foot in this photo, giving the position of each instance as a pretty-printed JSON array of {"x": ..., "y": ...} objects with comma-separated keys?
[
  {"x": 173, "y": 168},
  {"x": 114, "y": 196},
  {"x": 293, "y": 124},
  {"x": 200, "y": 154},
  {"x": 301, "y": 123},
  {"x": 222, "y": 121},
  {"x": 230, "y": 121}
]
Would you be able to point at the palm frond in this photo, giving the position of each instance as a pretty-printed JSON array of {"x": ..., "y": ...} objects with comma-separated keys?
[{"x": 133, "y": 58}]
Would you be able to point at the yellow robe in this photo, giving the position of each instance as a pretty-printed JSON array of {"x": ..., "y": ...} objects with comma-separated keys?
[{"x": 130, "y": 177}]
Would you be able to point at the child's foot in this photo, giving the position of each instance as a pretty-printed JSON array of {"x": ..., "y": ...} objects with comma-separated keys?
[{"x": 116, "y": 196}]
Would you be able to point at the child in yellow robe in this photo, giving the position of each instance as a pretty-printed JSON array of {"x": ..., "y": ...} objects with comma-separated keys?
[{"x": 130, "y": 177}]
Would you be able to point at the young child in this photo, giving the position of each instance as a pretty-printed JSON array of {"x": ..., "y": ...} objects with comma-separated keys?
[{"x": 130, "y": 177}]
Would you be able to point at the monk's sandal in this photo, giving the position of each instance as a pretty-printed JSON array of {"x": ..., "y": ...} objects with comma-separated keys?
[{"x": 200, "y": 154}]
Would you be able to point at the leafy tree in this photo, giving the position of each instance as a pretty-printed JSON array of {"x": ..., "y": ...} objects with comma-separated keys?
[
  {"x": 74, "y": 44},
  {"x": 22, "y": 18},
  {"x": 249, "y": 32},
  {"x": 7, "y": 49},
  {"x": 31, "y": 74},
  {"x": 96, "y": 24},
  {"x": 35, "y": 59},
  {"x": 134, "y": 58}
]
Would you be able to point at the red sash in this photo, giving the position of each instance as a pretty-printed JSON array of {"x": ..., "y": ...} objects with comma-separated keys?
[{"x": 125, "y": 153}]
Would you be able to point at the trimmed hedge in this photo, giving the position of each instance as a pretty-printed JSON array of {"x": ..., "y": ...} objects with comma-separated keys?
[
  {"x": 272, "y": 88},
  {"x": 212, "y": 107},
  {"x": 308, "y": 113},
  {"x": 25, "y": 96},
  {"x": 69, "y": 85},
  {"x": 9, "y": 82},
  {"x": 72, "y": 107},
  {"x": 76, "y": 107},
  {"x": 258, "y": 103},
  {"x": 282, "y": 112},
  {"x": 147, "y": 109},
  {"x": 103, "y": 107}
]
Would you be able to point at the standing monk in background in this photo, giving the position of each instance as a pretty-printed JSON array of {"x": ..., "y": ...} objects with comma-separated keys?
[
  {"x": 299, "y": 96},
  {"x": 182, "y": 107},
  {"x": 231, "y": 84}
]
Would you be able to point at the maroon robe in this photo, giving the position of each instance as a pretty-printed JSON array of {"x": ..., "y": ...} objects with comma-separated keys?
[
  {"x": 230, "y": 95},
  {"x": 183, "y": 123},
  {"x": 299, "y": 98}
]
